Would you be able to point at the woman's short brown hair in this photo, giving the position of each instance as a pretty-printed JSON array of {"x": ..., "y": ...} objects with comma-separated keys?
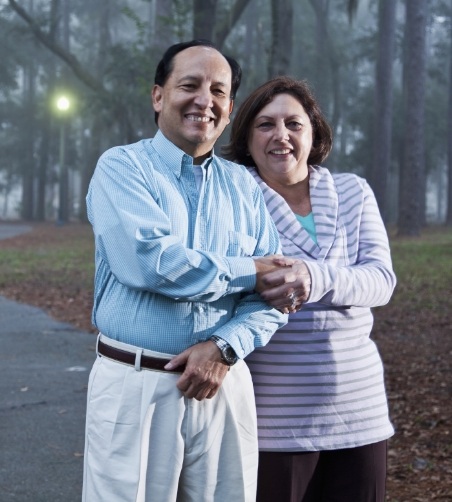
[{"x": 322, "y": 141}]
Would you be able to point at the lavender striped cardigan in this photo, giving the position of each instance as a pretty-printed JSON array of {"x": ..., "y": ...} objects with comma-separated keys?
[{"x": 319, "y": 382}]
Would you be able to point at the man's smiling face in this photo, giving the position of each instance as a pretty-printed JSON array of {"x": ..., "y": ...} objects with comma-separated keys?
[{"x": 195, "y": 102}]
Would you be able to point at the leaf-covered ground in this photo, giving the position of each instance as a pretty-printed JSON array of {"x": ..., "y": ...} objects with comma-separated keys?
[{"x": 52, "y": 268}]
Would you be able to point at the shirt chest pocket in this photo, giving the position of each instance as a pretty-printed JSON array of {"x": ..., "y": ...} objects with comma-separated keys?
[{"x": 240, "y": 244}]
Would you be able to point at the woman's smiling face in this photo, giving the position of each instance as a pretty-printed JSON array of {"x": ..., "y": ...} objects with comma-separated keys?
[{"x": 280, "y": 140}]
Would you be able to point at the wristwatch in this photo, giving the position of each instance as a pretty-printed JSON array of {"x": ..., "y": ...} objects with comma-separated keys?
[{"x": 227, "y": 352}]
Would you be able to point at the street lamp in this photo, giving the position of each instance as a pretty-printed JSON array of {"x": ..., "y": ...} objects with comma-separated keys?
[{"x": 63, "y": 104}]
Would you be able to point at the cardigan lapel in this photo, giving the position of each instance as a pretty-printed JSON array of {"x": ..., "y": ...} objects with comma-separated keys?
[
  {"x": 325, "y": 207},
  {"x": 291, "y": 232},
  {"x": 324, "y": 202}
]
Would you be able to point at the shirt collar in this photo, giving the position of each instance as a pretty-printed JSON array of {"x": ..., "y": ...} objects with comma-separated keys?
[{"x": 173, "y": 156}]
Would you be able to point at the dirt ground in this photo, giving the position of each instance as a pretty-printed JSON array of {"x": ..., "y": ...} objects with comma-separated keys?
[{"x": 417, "y": 353}]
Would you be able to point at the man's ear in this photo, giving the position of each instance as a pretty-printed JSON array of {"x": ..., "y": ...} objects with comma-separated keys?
[
  {"x": 231, "y": 106},
  {"x": 157, "y": 96}
]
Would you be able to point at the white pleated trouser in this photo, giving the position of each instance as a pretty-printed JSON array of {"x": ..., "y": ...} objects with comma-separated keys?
[{"x": 146, "y": 442}]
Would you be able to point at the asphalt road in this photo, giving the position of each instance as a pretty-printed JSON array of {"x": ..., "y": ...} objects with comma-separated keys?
[
  {"x": 44, "y": 368},
  {"x": 12, "y": 229}
]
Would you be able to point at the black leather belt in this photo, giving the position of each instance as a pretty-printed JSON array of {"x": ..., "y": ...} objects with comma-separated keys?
[{"x": 126, "y": 357}]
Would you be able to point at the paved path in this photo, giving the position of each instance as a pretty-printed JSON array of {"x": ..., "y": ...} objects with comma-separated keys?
[
  {"x": 12, "y": 229},
  {"x": 44, "y": 367}
]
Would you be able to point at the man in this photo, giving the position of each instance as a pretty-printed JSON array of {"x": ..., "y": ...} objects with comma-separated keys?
[{"x": 170, "y": 415}]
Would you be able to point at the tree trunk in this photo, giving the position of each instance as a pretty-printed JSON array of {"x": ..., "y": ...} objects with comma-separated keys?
[
  {"x": 98, "y": 124},
  {"x": 412, "y": 173},
  {"x": 90, "y": 157},
  {"x": 281, "y": 47},
  {"x": 204, "y": 15},
  {"x": 46, "y": 130},
  {"x": 162, "y": 32},
  {"x": 327, "y": 80},
  {"x": 322, "y": 74},
  {"x": 382, "y": 131},
  {"x": 28, "y": 171},
  {"x": 63, "y": 174},
  {"x": 449, "y": 135},
  {"x": 225, "y": 25},
  {"x": 44, "y": 157}
]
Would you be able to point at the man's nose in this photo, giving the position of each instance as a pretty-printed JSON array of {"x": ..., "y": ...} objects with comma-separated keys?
[{"x": 204, "y": 97}]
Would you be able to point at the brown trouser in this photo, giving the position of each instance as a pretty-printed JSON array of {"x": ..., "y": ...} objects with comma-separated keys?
[{"x": 349, "y": 475}]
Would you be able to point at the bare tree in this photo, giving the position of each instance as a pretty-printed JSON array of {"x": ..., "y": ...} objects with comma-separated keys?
[
  {"x": 48, "y": 41},
  {"x": 382, "y": 132},
  {"x": 412, "y": 169}
]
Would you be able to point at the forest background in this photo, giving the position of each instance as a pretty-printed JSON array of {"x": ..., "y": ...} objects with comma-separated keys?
[{"x": 381, "y": 70}]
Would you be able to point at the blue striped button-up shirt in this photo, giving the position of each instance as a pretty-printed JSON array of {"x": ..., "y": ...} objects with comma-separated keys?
[{"x": 173, "y": 262}]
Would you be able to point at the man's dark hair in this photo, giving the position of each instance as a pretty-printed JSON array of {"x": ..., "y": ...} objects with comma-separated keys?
[{"x": 166, "y": 64}]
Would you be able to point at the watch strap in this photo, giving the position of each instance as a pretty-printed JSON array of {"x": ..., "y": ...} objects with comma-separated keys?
[{"x": 227, "y": 352}]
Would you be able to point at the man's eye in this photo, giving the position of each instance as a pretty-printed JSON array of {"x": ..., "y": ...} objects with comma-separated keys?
[{"x": 218, "y": 92}]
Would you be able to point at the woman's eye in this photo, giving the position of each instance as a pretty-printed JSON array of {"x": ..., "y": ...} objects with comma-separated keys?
[
  {"x": 264, "y": 125},
  {"x": 294, "y": 125}
]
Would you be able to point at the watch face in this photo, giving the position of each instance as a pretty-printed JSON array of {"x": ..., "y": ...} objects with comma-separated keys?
[{"x": 229, "y": 355}]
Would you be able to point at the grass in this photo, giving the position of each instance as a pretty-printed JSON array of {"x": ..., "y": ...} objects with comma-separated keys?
[
  {"x": 52, "y": 268},
  {"x": 64, "y": 258},
  {"x": 61, "y": 255},
  {"x": 424, "y": 269}
]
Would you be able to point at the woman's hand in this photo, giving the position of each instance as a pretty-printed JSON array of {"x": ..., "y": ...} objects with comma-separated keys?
[{"x": 287, "y": 286}]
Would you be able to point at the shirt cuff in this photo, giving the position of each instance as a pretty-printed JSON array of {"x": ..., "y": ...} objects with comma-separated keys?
[{"x": 243, "y": 274}]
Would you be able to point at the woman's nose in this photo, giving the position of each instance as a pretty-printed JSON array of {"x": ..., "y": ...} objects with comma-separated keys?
[{"x": 281, "y": 132}]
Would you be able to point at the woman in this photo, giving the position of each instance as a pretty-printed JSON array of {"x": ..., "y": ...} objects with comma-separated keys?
[{"x": 322, "y": 407}]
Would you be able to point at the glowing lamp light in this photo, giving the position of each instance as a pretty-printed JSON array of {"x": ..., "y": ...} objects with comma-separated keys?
[{"x": 63, "y": 103}]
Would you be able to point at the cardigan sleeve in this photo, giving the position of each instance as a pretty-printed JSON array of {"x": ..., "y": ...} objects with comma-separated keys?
[{"x": 370, "y": 280}]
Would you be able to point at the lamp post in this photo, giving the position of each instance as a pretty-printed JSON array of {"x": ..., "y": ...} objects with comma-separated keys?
[{"x": 63, "y": 104}]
